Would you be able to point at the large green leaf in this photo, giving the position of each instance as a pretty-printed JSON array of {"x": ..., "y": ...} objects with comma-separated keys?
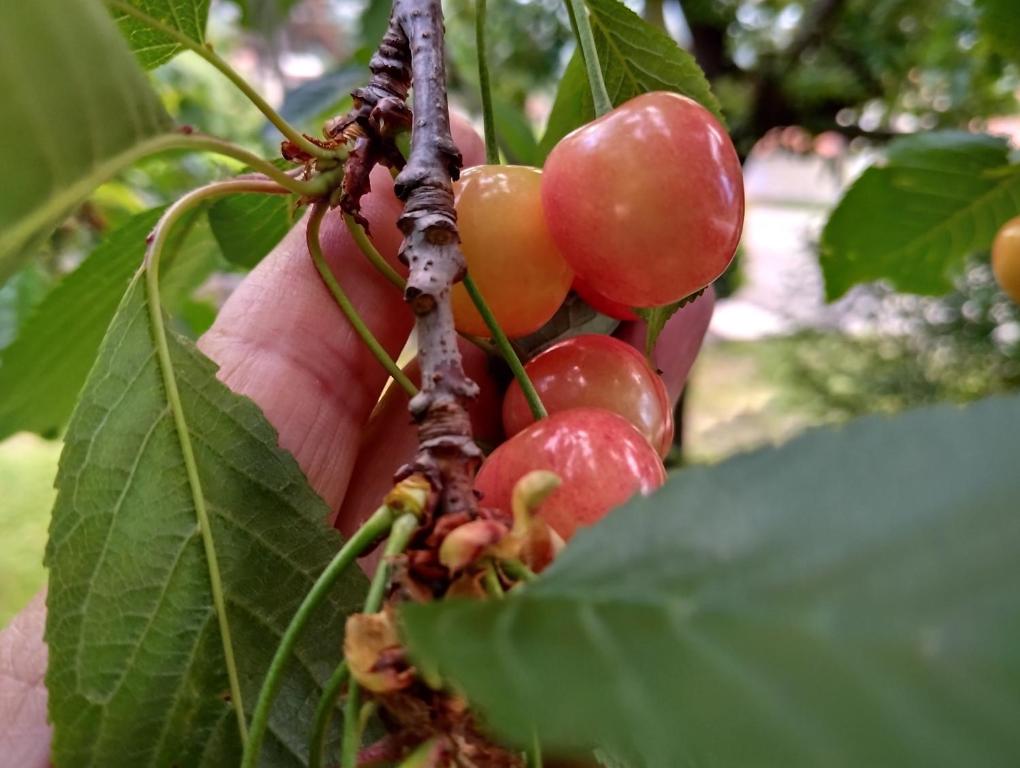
[
  {"x": 136, "y": 672},
  {"x": 77, "y": 109},
  {"x": 635, "y": 57},
  {"x": 848, "y": 600},
  {"x": 43, "y": 369},
  {"x": 914, "y": 219},
  {"x": 248, "y": 226},
  {"x": 153, "y": 46}
]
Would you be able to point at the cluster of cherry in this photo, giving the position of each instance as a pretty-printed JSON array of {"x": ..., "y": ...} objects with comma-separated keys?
[{"x": 640, "y": 208}]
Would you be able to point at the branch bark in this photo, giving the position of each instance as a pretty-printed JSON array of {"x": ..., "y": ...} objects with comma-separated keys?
[{"x": 412, "y": 51}]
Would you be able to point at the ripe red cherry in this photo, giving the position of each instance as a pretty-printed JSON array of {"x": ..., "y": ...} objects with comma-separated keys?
[
  {"x": 600, "y": 303},
  {"x": 508, "y": 249},
  {"x": 646, "y": 202},
  {"x": 599, "y": 455},
  {"x": 598, "y": 372}
]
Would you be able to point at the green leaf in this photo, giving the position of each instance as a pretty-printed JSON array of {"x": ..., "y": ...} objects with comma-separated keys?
[
  {"x": 312, "y": 102},
  {"x": 76, "y": 111},
  {"x": 913, "y": 221},
  {"x": 375, "y": 17},
  {"x": 248, "y": 226},
  {"x": 515, "y": 135},
  {"x": 635, "y": 57},
  {"x": 43, "y": 369},
  {"x": 136, "y": 672},
  {"x": 153, "y": 46},
  {"x": 849, "y": 599},
  {"x": 17, "y": 299},
  {"x": 1000, "y": 23},
  {"x": 572, "y": 108},
  {"x": 657, "y": 317}
]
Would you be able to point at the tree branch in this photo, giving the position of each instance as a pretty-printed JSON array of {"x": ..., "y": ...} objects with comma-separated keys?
[
  {"x": 412, "y": 51},
  {"x": 447, "y": 452}
]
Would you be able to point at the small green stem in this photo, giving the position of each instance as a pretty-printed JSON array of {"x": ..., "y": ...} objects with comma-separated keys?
[
  {"x": 535, "y": 753},
  {"x": 400, "y": 535},
  {"x": 488, "y": 121},
  {"x": 324, "y": 714},
  {"x": 160, "y": 234},
  {"x": 586, "y": 40},
  {"x": 491, "y": 579},
  {"x": 515, "y": 569},
  {"x": 364, "y": 242},
  {"x": 197, "y": 142},
  {"x": 207, "y": 53},
  {"x": 373, "y": 528},
  {"x": 506, "y": 349},
  {"x": 350, "y": 312}
]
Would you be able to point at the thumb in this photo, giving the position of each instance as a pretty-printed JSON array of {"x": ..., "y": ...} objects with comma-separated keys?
[{"x": 281, "y": 340}]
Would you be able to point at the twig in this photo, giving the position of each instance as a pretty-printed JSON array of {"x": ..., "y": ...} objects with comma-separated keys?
[{"x": 447, "y": 453}]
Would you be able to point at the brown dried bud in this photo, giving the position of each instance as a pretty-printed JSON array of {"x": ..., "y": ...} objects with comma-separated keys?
[
  {"x": 374, "y": 653},
  {"x": 531, "y": 540},
  {"x": 467, "y": 543},
  {"x": 412, "y": 494}
]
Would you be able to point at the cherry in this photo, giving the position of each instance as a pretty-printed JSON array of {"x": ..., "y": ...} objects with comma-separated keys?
[
  {"x": 1006, "y": 258},
  {"x": 470, "y": 144},
  {"x": 646, "y": 203},
  {"x": 600, "y": 303},
  {"x": 508, "y": 250},
  {"x": 599, "y": 455},
  {"x": 599, "y": 372}
]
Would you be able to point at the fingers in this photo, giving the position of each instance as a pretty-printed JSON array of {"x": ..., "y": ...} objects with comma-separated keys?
[
  {"x": 390, "y": 440},
  {"x": 679, "y": 342},
  {"x": 281, "y": 340},
  {"x": 25, "y": 734}
]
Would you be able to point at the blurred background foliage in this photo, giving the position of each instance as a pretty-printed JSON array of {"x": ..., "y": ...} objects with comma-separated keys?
[{"x": 820, "y": 83}]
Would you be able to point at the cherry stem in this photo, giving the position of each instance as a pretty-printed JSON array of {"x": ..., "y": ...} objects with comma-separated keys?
[
  {"x": 367, "y": 247},
  {"x": 324, "y": 714},
  {"x": 491, "y": 580},
  {"x": 207, "y": 53},
  {"x": 506, "y": 349},
  {"x": 488, "y": 120},
  {"x": 586, "y": 40},
  {"x": 348, "y": 309},
  {"x": 363, "y": 539},
  {"x": 400, "y": 536},
  {"x": 515, "y": 569},
  {"x": 153, "y": 252},
  {"x": 535, "y": 753}
]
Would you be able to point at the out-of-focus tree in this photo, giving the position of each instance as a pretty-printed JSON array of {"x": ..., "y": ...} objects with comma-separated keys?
[{"x": 858, "y": 67}]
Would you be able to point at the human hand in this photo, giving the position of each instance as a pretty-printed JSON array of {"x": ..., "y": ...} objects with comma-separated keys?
[{"x": 281, "y": 340}]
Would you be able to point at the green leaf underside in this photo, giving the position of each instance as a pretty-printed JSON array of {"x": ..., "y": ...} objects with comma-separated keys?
[
  {"x": 43, "y": 369},
  {"x": 248, "y": 226},
  {"x": 77, "y": 110},
  {"x": 849, "y": 599},
  {"x": 152, "y": 47},
  {"x": 636, "y": 57},
  {"x": 136, "y": 674},
  {"x": 913, "y": 221}
]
